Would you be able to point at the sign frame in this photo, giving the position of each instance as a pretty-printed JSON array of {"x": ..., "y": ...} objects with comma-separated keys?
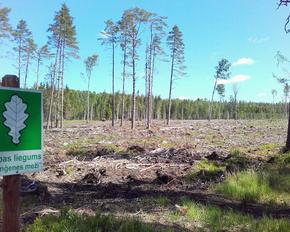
[{"x": 26, "y": 152}]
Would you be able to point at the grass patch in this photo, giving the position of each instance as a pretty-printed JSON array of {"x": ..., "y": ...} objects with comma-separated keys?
[
  {"x": 159, "y": 201},
  {"x": 238, "y": 161},
  {"x": 206, "y": 171},
  {"x": 72, "y": 222},
  {"x": 269, "y": 185},
  {"x": 77, "y": 152},
  {"x": 96, "y": 146},
  {"x": 267, "y": 149},
  {"x": 251, "y": 186},
  {"x": 216, "y": 219},
  {"x": 248, "y": 186}
]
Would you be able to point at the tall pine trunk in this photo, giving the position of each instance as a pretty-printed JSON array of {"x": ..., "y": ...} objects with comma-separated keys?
[
  {"x": 37, "y": 72},
  {"x": 49, "y": 118},
  {"x": 288, "y": 131},
  {"x": 58, "y": 96},
  {"x": 124, "y": 78},
  {"x": 134, "y": 87},
  {"x": 170, "y": 89},
  {"x": 26, "y": 70},
  {"x": 149, "y": 79},
  {"x": 19, "y": 58},
  {"x": 62, "y": 86},
  {"x": 211, "y": 102},
  {"x": 113, "y": 84},
  {"x": 146, "y": 87},
  {"x": 152, "y": 81},
  {"x": 88, "y": 97},
  {"x": 92, "y": 111}
]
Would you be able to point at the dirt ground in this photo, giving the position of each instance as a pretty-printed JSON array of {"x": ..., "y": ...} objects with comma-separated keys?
[{"x": 94, "y": 167}]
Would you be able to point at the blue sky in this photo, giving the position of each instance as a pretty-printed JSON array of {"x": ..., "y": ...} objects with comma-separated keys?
[{"x": 246, "y": 32}]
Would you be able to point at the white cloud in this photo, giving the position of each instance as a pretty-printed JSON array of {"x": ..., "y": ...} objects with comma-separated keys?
[
  {"x": 262, "y": 94},
  {"x": 234, "y": 79},
  {"x": 244, "y": 61},
  {"x": 182, "y": 98},
  {"x": 258, "y": 40}
]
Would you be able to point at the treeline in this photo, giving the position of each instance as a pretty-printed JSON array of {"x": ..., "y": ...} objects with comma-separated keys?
[{"x": 75, "y": 107}]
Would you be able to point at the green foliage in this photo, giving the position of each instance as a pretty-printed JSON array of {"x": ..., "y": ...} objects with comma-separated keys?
[
  {"x": 206, "y": 171},
  {"x": 268, "y": 149},
  {"x": 248, "y": 186},
  {"x": 222, "y": 69},
  {"x": 63, "y": 32},
  {"x": 279, "y": 173},
  {"x": 176, "y": 46},
  {"x": 269, "y": 185},
  {"x": 5, "y": 27},
  {"x": 75, "y": 107},
  {"x": 90, "y": 63},
  {"x": 109, "y": 35},
  {"x": 206, "y": 165},
  {"x": 72, "y": 222},
  {"x": 221, "y": 90},
  {"x": 251, "y": 186},
  {"x": 271, "y": 225},
  {"x": 216, "y": 219},
  {"x": 21, "y": 36}
]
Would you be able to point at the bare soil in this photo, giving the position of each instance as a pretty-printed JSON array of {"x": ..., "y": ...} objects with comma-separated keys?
[{"x": 94, "y": 167}]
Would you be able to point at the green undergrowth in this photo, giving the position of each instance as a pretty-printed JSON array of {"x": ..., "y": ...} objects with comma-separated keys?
[
  {"x": 69, "y": 221},
  {"x": 239, "y": 160},
  {"x": 269, "y": 185},
  {"x": 268, "y": 149},
  {"x": 247, "y": 186},
  {"x": 201, "y": 217},
  {"x": 84, "y": 147},
  {"x": 211, "y": 218},
  {"x": 158, "y": 201},
  {"x": 205, "y": 171},
  {"x": 210, "y": 170}
]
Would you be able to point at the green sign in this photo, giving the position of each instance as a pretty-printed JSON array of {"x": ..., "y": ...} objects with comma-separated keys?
[{"x": 21, "y": 144}]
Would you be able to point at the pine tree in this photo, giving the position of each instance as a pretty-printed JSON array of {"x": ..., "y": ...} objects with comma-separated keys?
[
  {"x": 20, "y": 36},
  {"x": 110, "y": 38},
  {"x": 157, "y": 24},
  {"x": 222, "y": 73},
  {"x": 5, "y": 28},
  {"x": 90, "y": 63},
  {"x": 63, "y": 39},
  {"x": 281, "y": 59},
  {"x": 135, "y": 18},
  {"x": 176, "y": 46}
]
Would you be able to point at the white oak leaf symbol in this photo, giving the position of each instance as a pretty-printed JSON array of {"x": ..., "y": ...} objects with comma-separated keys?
[{"x": 15, "y": 117}]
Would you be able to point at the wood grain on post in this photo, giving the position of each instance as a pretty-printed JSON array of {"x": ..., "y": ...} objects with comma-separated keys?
[{"x": 11, "y": 184}]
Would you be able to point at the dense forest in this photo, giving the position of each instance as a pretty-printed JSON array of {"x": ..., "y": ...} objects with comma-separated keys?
[{"x": 100, "y": 107}]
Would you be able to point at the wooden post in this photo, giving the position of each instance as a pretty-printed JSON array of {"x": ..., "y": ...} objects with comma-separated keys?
[{"x": 11, "y": 184}]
